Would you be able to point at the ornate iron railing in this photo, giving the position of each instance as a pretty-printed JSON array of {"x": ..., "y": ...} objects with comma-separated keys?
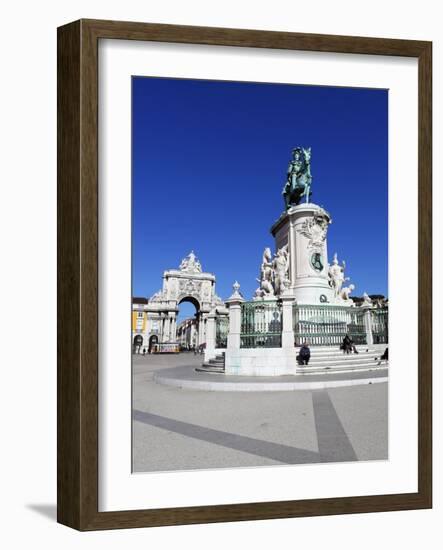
[
  {"x": 221, "y": 332},
  {"x": 328, "y": 325},
  {"x": 261, "y": 324},
  {"x": 379, "y": 325}
]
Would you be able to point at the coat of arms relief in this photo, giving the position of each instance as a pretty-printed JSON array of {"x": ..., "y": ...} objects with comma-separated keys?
[{"x": 315, "y": 230}]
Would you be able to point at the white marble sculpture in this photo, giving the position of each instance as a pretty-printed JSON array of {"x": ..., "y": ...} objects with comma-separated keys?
[
  {"x": 315, "y": 230},
  {"x": 266, "y": 274},
  {"x": 258, "y": 294},
  {"x": 337, "y": 276},
  {"x": 345, "y": 292},
  {"x": 191, "y": 264},
  {"x": 281, "y": 270},
  {"x": 366, "y": 300}
]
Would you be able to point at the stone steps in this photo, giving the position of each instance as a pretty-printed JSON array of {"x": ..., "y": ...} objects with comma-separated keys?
[
  {"x": 324, "y": 360},
  {"x": 210, "y": 368},
  {"x": 319, "y": 352},
  {"x": 342, "y": 368},
  {"x": 216, "y": 365},
  {"x": 346, "y": 359},
  {"x": 342, "y": 364}
]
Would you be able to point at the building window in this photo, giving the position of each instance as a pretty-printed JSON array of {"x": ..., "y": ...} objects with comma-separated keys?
[{"x": 140, "y": 314}]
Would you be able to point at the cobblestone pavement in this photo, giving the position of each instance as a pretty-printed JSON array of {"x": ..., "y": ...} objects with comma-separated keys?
[{"x": 177, "y": 429}]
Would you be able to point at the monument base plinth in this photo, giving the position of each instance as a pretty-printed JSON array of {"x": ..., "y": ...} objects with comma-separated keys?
[
  {"x": 303, "y": 229},
  {"x": 261, "y": 361}
]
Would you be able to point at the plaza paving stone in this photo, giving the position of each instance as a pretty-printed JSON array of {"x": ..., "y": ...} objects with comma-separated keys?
[{"x": 181, "y": 429}]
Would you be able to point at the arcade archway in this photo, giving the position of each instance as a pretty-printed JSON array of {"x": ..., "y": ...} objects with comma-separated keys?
[
  {"x": 137, "y": 343},
  {"x": 188, "y": 284},
  {"x": 153, "y": 340},
  {"x": 188, "y": 333}
]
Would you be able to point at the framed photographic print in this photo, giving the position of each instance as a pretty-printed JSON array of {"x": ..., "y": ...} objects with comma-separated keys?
[{"x": 244, "y": 275}]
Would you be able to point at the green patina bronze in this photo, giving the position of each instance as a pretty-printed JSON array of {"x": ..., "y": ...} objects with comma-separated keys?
[{"x": 299, "y": 179}]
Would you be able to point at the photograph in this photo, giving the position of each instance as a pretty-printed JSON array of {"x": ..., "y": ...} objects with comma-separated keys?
[
  {"x": 258, "y": 325},
  {"x": 244, "y": 271}
]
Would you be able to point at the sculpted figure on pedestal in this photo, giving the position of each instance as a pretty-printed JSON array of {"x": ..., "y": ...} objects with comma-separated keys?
[
  {"x": 266, "y": 274},
  {"x": 366, "y": 300},
  {"x": 346, "y": 291},
  {"x": 190, "y": 263},
  {"x": 184, "y": 264},
  {"x": 299, "y": 179},
  {"x": 281, "y": 270},
  {"x": 337, "y": 276},
  {"x": 258, "y": 294}
]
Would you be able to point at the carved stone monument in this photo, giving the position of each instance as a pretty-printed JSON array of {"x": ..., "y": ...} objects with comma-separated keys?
[
  {"x": 301, "y": 296},
  {"x": 302, "y": 230}
]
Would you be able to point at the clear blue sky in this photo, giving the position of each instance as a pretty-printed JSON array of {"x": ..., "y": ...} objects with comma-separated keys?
[{"x": 209, "y": 164}]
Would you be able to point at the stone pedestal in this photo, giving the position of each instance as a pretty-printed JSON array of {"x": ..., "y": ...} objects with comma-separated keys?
[
  {"x": 303, "y": 229},
  {"x": 261, "y": 361},
  {"x": 210, "y": 337},
  {"x": 287, "y": 335},
  {"x": 234, "y": 326}
]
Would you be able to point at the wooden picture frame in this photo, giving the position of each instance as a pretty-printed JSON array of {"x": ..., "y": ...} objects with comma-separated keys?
[{"x": 78, "y": 274}]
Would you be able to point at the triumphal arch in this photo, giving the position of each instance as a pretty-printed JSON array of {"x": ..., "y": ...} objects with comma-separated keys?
[{"x": 155, "y": 319}]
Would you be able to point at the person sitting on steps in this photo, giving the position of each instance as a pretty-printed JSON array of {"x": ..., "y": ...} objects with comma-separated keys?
[
  {"x": 304, "y": 354},
  {"x": 348, "y": 345},
  {"x": 384, "y": 357}
]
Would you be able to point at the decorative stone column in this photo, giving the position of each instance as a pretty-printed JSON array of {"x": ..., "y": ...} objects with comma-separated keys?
[
  {"x": 234, "y": 304},
  {"x": 201, "y": 329},
  {"x": 210, "y": 336},
  {"x": 173, "y": 328},
  {"x": 203, "y": 320},
  {"x": 192, "y": 339},
  {"x": 368, "y": 327},
  {"x": 287, "y": 335},
  {"x": 165, "y": 336}
]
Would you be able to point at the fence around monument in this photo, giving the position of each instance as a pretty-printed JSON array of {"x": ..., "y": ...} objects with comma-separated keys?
[
  {"x": 323, "y": 325},
  {"x": 380, "y": 325},
  {"x": 319, "y": 325},
  {"x": 261, "y": 324}
]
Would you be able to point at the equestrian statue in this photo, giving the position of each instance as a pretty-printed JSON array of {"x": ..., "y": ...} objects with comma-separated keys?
[{"x": 299, "y": 179}]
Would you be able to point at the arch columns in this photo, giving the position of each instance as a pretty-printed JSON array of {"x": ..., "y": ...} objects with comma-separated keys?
[
  {"x": 165, "y": 334},
  {"x": 201, "y": 327},
  {"x": 210, "y": 336},
  {"x": 173, "y": 326}
]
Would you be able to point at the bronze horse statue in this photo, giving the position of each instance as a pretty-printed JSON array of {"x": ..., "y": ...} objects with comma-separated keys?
[{"x": 299, "y": 179}]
